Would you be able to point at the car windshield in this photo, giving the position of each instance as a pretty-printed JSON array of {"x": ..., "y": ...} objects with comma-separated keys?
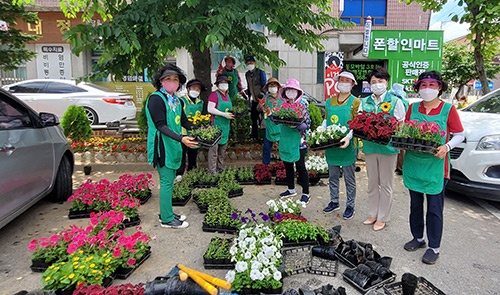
[
  {"x": 488, "y": 104},
  {"x": 97, "y": 87}
]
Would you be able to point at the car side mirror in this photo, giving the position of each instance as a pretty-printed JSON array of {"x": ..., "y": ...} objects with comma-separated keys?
[{"x": 48, "y": 119}]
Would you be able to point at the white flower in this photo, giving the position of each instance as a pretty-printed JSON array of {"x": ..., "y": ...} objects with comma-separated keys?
[
  {"x": 277, "y": 275},
  {"x": 248, "y": 255},
  {"x": 256, "y": 264},
  {"x": 241, "y": 266},
  {"x": 255, "y": 274},
  {"x": 230, "y": 276}
]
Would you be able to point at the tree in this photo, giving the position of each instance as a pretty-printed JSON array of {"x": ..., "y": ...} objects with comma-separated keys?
[
  {"x": 484, "y": 19},
  {"x": 140, "y": 34},
  {"x": 12, "y": 40},
  {"x": 459, "y": 66}
]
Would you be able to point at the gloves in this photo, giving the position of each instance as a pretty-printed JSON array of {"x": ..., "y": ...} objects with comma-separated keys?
[
  {"x": 302, "y": 127},
  {"x": 346, "y": 141}
]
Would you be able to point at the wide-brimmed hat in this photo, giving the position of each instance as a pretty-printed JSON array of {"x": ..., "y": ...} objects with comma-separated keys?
[
  {"x": 231, "y": 58},
  {"x": 269, "y": 81},
  {"x": 222, "y": 78},
  {"x": 196, "y": 82},
  {"x": 346, "y": 75},
  {"x": 431, "y": 76},
  {"x": 171, "y": 69},
  {"x": 294, "y": 84}
]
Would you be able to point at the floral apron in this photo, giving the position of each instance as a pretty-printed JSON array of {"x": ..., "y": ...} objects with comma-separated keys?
[
  {"x": 221, "y": 122},
  {"x": 340, "y": 115}
]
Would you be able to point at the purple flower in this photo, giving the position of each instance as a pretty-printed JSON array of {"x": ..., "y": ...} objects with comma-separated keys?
[
  {"x": 234, "y": 216},
  {"x": 244, "y": 220},
  {"x": 278, "y": 216},
  {"x": 265, "y": 217}
]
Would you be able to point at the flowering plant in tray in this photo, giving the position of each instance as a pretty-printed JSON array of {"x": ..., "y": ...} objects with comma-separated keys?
[
  {"x": 325, "y": 135},
  {"x": 424, "y": 131},
  {"x": 289, "y": 111},
  {"x": 317, "y": 164},
  {"x": 374, "y": 125},
  {"x": 285, "y": 206}
]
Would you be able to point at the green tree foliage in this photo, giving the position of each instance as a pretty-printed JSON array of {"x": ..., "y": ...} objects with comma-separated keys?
[
  {"x": 12, "y": 41},
  {"x": 139, "y": 34},
  {"x": 76, "y": 125},
  {"x": 484, "y": 19},
  {"x": 459, "y": 66},
  {"x": 315, "y": 114}
]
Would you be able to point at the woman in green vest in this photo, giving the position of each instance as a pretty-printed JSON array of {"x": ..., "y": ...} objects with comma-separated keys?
[
  {"x": 219, "y": 105},
  {"x": 191, "y": 105},
  {"x": 165, "y": 116},
  {"x": 380, "y": 159},
  {"x": 293, "y": 145},
  {"x": 271, "y": 130},
  {"x": 229, "y": 70},
  {"x": 426, "y": 173},
  {"x": 340, "y": 109}
]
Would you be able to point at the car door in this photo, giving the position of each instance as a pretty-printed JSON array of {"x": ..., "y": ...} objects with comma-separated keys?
[
  {"x": 26, "y": 157},
  {"x": 28, "y": 92},
  {"x": 56, "y": 97}
]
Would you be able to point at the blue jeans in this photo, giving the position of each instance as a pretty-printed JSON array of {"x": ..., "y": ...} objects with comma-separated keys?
[
  {"x": 350, "y": 183},
  {"x": 266, "y": 149},
  {"x": 434, "y": 216}
]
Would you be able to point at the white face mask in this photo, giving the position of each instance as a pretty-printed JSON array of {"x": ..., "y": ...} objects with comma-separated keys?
[
  {"x": 251, "y": 67},
  {"x": 223, "y": 86},
  {"x": 378, "y": 88},
  {"x": 273, "y": 90},
  {"x": 291, "y": 93},
  {"x": 344, "y": 87},
  {"x": 193, "y": 93},
  {"x": 428, "y": 94}
]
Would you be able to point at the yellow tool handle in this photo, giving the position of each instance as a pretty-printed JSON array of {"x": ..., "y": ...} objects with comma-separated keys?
[
  {"x": 213, "y": 280},
  {"x": 182, "y": 275}
]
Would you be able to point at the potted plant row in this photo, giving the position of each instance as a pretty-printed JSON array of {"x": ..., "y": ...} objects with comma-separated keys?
[
  {"x": 218, "y": 218},
  {"x": 262, "y": 174},
  {"x": 374, "y": 127},
  {"x": 217, "y": 255},
  {"x": 327, "y": 137},
  {"x": 297, "y": 232},
  {"x": 423, "y": 137},
  {"x": 207, "y": 135},
  {"x": 181, "y": 193},
  {"x": 204, "y": 197},
  {"x": 245, "y": 176},
  {"x": 232, "y": 187},
  {"x": 137, "y": 186}
]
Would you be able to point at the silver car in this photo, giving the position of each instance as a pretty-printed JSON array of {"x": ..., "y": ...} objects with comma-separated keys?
[
  {"x": 35, "y": 158},
  {"x": 476, "y": 161}
]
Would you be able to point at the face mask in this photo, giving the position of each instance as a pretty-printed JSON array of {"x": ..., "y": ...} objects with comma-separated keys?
[
  {"x": 250, "y": 67},
  {"x": 223, "y": 86},
  {"x": 428, "y": 94},
  {"x": 344, "y": 87},
  {"x": 378, "y": 88},
  {"x": 170, "y": 86},
  {"x": 193, "y": 93},
  {"x": 291, "y": 93},
  {"x": 273, "y": 90}
]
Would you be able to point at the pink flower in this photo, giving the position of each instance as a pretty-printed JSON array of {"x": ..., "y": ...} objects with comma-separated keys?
[
  {"x": 117, "y": 252},
  {"x": 131, "y": 261}
]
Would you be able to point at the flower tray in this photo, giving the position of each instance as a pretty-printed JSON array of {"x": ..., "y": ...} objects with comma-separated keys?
[
  {"x": 39, "y": 265},
  {"x": 219, "y": 228},
  {"x": 250, "y": 291},
  {"x": 264, "y": 181},
  {"x": 246, "y": 182},
  {"x": 323, "y": 175},
  {"x": 215, "y": 263},
  {"x": 79, "y": 214},
  {"x": 296, "y": 260},
  {"x": 326, "y": 145},
  {"x": 203, "y": 209},
  {"x": 208, "y": 143},
  {"x": 235, "y": 193},
  {"x": 280, "y": 181},
  {"x": 106, "y": 282},
  {"x": 314, "y": 180},
  {"x": 132, "y": 222},
  {"x": 424, "y": 287},
  {"x": 122, "y": 273},
  {"x": 181, "y": 202},
  {"x": 375, "y": 286},
  {"x": 291, "y": 122},
  {"x": 417, "y": 145},
  {"x": 363, "y": 136},
  {"x": 324, "y": 267},
  {"x": 146, "y": 198},
  {"x": 289, "y": 244},
  {"x": 205, "y": 184}
]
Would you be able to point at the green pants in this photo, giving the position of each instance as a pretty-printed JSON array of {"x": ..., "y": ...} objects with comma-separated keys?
[{"x": 167, "y": 177}]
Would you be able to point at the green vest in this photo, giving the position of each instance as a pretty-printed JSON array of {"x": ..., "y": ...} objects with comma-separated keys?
[
  {"x": 221, "y": 122},
  {"x": 340, "y": 115},
  {"x": 191, "y": 108},
  {"x": 173, "y": 148},
  {"x": 289, "y": 145},
  {"x": 272, "y": 130},
  {"x": 425, "y": 172},
  {"x": 368, "y": 105},
  {"x": 233, "y": 78}
]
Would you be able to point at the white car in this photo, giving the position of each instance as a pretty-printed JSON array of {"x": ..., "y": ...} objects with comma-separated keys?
[
  {"x": 55, "y": 96},
  {"x": 476, "y": 161}
]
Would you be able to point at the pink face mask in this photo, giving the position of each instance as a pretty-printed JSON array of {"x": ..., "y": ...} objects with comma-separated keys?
[{"x": 170, "y": 86}]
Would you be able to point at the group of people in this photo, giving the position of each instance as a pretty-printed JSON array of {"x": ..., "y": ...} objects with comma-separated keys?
[{"x": 423, "y": 174}]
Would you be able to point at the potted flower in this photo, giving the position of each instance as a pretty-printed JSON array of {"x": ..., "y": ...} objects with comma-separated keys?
[
  {"x": 232, "y": 187},
  {"x": 204, "y": 197},
  {"x": 218, "y": 218},
  {"x": 280, "y": 178},
  {"x": 285, "y": 206},
  {"x": 289, "y": 114},
  {"x": 181, "y": 193},
  {"x": 130, "y": 252},
  {"x": 277, "y": 166},
  {"x": 217, "y": 255},
  {"x": 47, "y": 251},
  {"x": 317, "y": 164},
  {"x": 256, "y": 252},
  {"x": 207, "y": 135},
  {"x": 422, "y": 137},
  {"x": 376, "y": 127},
  {"x": 245, "y": 175},
  {"x": 199, "y": 119},
  {"x": 324, "y": 138},
  {"x": 262, "y": 174},
  {"x": 137, "y": 186},
  {"x": 123, "y": 289},
  {"x": 297, "y": 232},
  {"x": 240, "y": 106}
]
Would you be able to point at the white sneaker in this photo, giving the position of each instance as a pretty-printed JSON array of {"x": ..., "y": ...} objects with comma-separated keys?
[
  {"x": 178, "y": 178},
  {"x": 175, "y": 223}
]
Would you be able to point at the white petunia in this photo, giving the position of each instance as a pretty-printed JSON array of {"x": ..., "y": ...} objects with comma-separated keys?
[
  {"x": 241, "y": 266},
  {"x": 277, "y": 275},
  {"x": 230, "y": 276},
  {"x": 255, "y": 274}
]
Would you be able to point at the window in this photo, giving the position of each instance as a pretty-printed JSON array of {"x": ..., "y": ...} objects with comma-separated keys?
[
  {"x": 357, "y": 10},
  {"x": 491, "y": 104},
  {"x": 12, "y": 115},
  {"x": 29, "y": 87},
  {"x": 320, "y": 68},
  {"x": 56, "y": 87}
]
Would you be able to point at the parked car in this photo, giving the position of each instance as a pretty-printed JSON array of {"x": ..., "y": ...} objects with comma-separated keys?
[
  {"x": 476, "y": 161},
  {"x": 35, "y": 158},
  {"x": 55, "y": 96}
]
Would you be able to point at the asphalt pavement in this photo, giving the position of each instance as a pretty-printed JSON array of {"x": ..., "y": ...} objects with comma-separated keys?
[{"x": 469, "y": 262}]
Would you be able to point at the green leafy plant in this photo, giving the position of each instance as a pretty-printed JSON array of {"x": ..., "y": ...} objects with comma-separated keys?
[
  {"x": 142, "y": 121},
  {"x": 315, "y": 114},
  {"x": 218, "y": 248},
  {"x": 207, "y": 132},
  {"x": 75, "y": 124},
  {"x": 181, "y": 190},
  {"x": 229, "y": 186},
  {"x": 205, "y": 197},
  {"x": 296, "y": 231},
  {"x": 245, "y": 174},
  {"x": 219, "y": 214},
  {"x": 240, "y": 105}
]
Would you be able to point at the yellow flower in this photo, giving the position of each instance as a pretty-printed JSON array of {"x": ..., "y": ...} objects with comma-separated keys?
[
  {"x": 94, "y": 271},
  {"x": 385, "y": 107},
  {"x": 71, "y": 276},
  {"x": 104, "y": 255},
  {"x": 82, "y": 266},
  {"x": 76, "y": 258},
  {"x": 88, "y": 258},
  {"x": 80, "y": 252},
  {"x": 92, "y": 265},
  {"x": 75, "y": 263},
  {"x": 47, "y": 278},
  {"x": 107, "y": 261},
  {"x": 51, "y": 267}
]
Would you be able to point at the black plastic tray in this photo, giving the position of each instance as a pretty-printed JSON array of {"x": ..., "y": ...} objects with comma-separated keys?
[
  {"x": 287, "y": 122},
  {"x": 123, "y": 273},
  {"x": 235, "y": 193},
  {"x": 376, "y": 286},
  {"x": 181, "y": 202},
  {"x": 324, "y": 267},
  {"x": 296, "y": 260},
  {"x": 375, "y": 140},
  {"x": 414, "y": 147},
  {"x": 319, "y": 147},
  {"x": 424, "y": 287},
  {"x": 206, "y": 143},
  {"x": 210, "y": 229}
]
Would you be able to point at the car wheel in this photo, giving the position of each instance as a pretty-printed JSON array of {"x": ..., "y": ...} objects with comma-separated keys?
[
  {"x": 63, "y": 186},
  {"x": 91, "y": 115}
]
